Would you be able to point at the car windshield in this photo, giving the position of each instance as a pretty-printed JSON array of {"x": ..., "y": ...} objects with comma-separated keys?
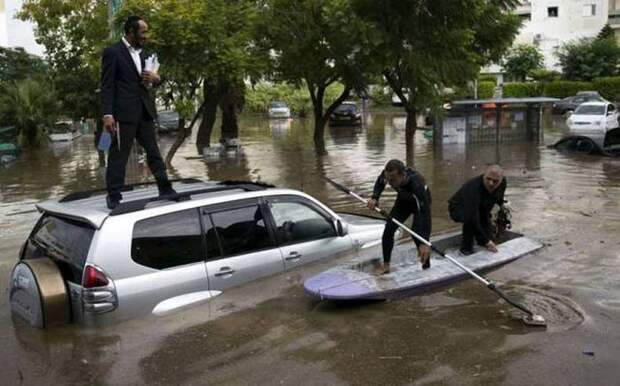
[
  {"x": 590, "y": 110},
  {"x": 345, "y": 109},
  {"x": 275, "y": 105}
]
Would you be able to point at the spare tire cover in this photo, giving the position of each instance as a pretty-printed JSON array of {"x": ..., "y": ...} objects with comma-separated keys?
[{"x": 38, "y": 293}]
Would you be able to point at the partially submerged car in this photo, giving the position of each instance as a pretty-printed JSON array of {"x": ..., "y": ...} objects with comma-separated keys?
[
  {"x": 570, "y": 103},
  {"x": 278, "y": 109},
  {"x": 346, "y": 114},
  {"x": 156, "y": 255},
  {"x": 596, "y": 123},
  {"x": 167, "y": 121}
]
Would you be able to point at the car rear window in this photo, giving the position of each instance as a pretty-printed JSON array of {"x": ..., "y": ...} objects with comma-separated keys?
[{"x": 63, "y": 240}]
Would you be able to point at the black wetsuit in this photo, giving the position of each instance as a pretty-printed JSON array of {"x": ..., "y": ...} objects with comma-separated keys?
[
  {"x": 471, "y": 205},
  {"x": 413, "y": 197}
]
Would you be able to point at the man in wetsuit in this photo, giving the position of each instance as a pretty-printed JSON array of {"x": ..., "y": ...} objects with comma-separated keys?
[
  {"x": 413, "y": 198},
  {"x": 472, "y": 204}
]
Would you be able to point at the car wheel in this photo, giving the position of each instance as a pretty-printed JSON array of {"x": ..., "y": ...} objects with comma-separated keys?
[{"x": 38, "y": 293}]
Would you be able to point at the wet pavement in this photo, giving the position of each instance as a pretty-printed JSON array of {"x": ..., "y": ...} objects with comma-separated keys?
[{"x": 269, "y": 332}]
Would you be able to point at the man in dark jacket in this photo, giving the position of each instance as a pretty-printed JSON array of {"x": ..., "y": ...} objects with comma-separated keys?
[
  {"x": 472, "y": 204},
  {"x": 128, "y": 107},
  {"x": 414, "y": 198}
]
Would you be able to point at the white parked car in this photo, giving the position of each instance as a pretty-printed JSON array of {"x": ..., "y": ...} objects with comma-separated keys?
[
  {"x": 278, "y": 109},
  {"x": 593, "y": 118}
]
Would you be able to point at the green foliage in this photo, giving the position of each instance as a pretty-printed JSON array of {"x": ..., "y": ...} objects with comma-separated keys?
[
  {"x": 257, "y": 98},
  {"x": 543, "y": 75},
  {"x": 606, "y": 32},
  {"x": 521, "y": 60},
  {"x": 488, "y": 78},
  {"x": 423, "y": 46},
  {"x": 587, "y": 59},
  {"x": 564, "y": 88},
  {"x": 73, "y": 34},
  {"x": 608, "y": 87},
  {"x": 17, "y": 64},
  {"x": 521, "y": 90},
  {"x": 381, "y": 95},
  {"x": 485, "y": 89},
  {"x": 30, "y": 105}
]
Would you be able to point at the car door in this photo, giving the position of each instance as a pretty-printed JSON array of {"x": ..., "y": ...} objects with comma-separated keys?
[
  {"x": 304, "y": 231},
  {"x": 240, "y": 246}
]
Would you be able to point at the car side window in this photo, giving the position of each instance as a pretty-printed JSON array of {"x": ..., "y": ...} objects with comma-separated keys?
[
  {"x": 239, "y": 230},
  {"x": 296, "y": 222},
  {"x": 610, "y": 108},
  {"x": 167, "y": 241}
]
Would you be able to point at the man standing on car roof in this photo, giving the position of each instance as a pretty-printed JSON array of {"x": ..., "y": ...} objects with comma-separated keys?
[
  {"x": 128, "y": 107},
  {"x": 413, "y": 198},
  {"x": 472, "y": 205}
]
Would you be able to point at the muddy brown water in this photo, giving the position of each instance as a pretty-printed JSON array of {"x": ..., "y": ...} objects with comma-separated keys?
[{"x": 269, "y": 332}]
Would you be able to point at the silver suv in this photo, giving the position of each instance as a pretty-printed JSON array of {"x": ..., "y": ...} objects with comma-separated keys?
[{"x": 152, "y": 255}]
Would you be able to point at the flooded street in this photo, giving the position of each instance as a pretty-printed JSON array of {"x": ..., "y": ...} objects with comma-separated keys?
[{"x": 270, "y": 332}]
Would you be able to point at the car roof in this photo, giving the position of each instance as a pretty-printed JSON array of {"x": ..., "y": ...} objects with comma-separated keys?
[
  {"x": 90, "y": 206},
  {"x": 595, "y": 103}
]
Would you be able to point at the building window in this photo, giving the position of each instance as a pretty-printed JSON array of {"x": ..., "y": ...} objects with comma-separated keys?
[
  {"x": 589, "y": 9},
  {"x": 525, "y": 16},
  {"x": 552, "y": 11}
]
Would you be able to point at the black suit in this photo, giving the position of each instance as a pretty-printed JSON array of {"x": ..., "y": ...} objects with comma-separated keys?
[{"x": 132, "y": 104}]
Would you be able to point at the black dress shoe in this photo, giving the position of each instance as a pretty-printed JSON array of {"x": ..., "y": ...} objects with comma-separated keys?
[
  {"x": 167, "y": 192},
  {"x": 112, "y": 202}
]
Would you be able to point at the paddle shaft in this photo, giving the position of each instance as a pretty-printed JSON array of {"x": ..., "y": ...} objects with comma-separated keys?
[{"x": 487, "y": 283}]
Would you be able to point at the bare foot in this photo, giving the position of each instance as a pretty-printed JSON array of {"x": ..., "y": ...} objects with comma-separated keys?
[{"x": 383, "y": 269}]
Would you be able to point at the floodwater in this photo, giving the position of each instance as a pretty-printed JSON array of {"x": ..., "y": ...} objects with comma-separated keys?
[{"x": 269, "y": 332}]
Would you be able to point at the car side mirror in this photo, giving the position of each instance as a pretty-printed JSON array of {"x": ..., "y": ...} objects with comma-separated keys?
[
  {"x": 341, "y": 229},
  {"x": 610, "y": 113}
]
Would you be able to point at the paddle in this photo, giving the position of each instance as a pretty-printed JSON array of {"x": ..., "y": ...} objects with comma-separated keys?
[{"x": 531, "y": 318}]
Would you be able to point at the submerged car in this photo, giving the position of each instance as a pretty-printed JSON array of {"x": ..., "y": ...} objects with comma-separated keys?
[
  {"x": 572, "y": 102},
  {"x": 346, "y": 114},
  {"x": 597, "y": 121},
  {"x": 153, "y": 255},
  {"x": 167, "y": 121},
  {"x": 278, "y": 109}
]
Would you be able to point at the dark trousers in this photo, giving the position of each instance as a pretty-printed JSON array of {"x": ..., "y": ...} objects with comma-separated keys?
[
  {"x": 401, "y": 211},
  {"x": 456, "y": 214},
  {"x": 144, "y": 133}
]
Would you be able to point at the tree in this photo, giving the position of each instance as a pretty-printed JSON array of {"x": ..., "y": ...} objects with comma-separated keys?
[
  {"x": 17, "y": 64},
  {"x": 205, "y": 48},
  {"x": 30, "y": 105},
  {"x": 423, "y": 46},
  {"x": 586, "y": 59},
  {"x": 73, "y": 34},
  {"x": 521, "y": 60},
  {"x": 606, "y": 32},
  {"x": 315, "y": 44}
]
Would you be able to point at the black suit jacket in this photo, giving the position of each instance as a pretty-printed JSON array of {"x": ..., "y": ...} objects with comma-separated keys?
[{"x": 123, "y": 94}]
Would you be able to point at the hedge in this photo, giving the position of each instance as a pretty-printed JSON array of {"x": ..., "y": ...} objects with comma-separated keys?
[
  {"x": 485, "y": 89},
  {"x": 608, "y": 87},
  {"x": 521, "y": 90},
  {"x": 565, "y": 88}
]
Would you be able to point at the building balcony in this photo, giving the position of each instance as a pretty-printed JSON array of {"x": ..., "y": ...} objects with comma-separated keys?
[{"x": 614, "y": 20}]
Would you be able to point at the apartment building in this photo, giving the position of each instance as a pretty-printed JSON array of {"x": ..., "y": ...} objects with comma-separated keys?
[
  {"x": 16, "y": 33},
  {"x": 549, "y": 24}
]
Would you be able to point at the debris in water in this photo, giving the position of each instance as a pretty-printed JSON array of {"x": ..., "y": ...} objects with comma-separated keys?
[{"x": 588, "y": 350}]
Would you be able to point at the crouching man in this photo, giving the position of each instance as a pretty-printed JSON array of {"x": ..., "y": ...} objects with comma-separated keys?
[{"x": 472, "y": 205}]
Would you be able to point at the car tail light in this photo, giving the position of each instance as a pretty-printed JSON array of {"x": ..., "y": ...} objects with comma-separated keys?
[{"x": 93, "y": 278}]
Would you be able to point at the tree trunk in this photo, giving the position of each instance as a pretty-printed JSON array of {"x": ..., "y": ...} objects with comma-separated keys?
[
  {"x": 182, "y": 135},
  {"x": 410, "y": 128},
  {"x": 212, "y": 94},
  {"x": 229, "y": 104}
]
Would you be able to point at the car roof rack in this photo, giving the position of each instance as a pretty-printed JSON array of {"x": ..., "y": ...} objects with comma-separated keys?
[
  {"x": 137, "y": 205},
  {"x": 89, "y": 193}
]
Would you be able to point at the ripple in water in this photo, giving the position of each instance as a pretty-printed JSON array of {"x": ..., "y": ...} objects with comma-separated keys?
[{"x": 560, "y": 312}]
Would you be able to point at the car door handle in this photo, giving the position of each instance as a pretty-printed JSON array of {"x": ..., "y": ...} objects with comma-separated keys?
[
  {"x": 293, "y": 256},
  {"x": 225, "y": 271}
]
